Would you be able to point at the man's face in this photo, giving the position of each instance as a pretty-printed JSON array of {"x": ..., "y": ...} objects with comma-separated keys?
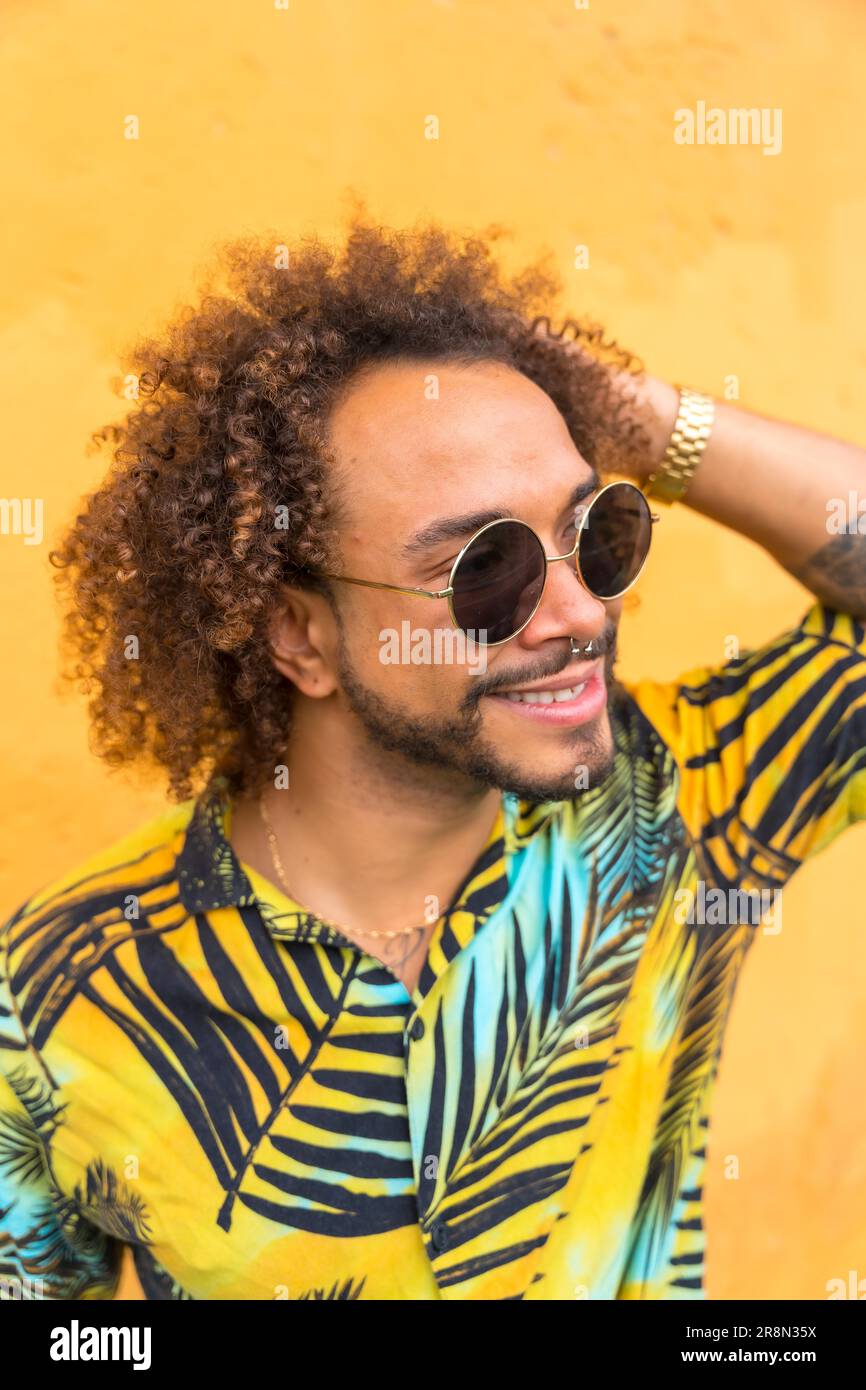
[{"x": 420, "y": 444}]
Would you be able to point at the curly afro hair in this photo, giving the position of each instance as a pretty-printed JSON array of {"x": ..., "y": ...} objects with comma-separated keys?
[{"x": 218, "y": 491}]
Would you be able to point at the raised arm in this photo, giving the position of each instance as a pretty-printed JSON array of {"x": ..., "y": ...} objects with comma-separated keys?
[{"x": 793, "y": 491}]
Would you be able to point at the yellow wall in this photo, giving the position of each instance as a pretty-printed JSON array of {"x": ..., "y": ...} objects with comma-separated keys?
[{"x": 708, "y": 260}]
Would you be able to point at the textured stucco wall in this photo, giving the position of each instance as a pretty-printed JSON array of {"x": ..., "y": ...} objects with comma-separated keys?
[{"x": 707, "y": 260}]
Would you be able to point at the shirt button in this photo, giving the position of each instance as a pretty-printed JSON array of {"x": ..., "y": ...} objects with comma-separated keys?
[
  {"x": 439, "y": 1235},
  {"x": 416, "y": 1032}
]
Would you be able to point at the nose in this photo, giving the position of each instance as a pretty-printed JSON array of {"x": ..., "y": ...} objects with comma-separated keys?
[{"x": 567, "y": 609}]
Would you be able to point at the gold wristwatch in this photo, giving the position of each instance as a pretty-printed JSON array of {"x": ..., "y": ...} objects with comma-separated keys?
[{"x": 668, "y": 483}]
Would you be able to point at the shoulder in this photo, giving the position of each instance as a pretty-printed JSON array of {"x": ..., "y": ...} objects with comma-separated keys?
[
  {"x": 49, "y": 940},
  {"x": 761, "y": 690},
  {"x": 144, "y": 858}
]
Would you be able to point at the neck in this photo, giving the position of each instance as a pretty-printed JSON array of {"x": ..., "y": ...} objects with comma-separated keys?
[{"x": 365, "y": 839}]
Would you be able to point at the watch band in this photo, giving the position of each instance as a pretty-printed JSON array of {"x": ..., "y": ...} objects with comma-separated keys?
[{"x": 668, "y": 483}]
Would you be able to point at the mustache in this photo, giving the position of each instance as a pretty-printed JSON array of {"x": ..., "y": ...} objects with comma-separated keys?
[{"x": 603, "y": 645}]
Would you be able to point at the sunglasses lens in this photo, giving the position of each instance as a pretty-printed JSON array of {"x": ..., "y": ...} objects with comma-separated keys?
[
  {"x": 615, "y": 540},
  {"x": 498, "y": 581}
]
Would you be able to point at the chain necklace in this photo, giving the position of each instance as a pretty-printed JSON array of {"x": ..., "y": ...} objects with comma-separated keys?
[{"x": 278, "y": 866}]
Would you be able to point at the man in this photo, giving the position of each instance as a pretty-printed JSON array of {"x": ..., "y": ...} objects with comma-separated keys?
[{"x": 418, "y": 997}]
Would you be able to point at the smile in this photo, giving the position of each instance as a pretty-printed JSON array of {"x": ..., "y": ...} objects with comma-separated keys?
[
  {"x": 547, "y": 697},
  {"x": 556, "y": 703}
]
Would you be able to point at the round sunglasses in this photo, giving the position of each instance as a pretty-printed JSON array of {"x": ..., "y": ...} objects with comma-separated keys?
[{"x": 497, "y": 581}]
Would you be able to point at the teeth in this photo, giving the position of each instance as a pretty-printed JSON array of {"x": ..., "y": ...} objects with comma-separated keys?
[{"x": 547, "y": 697}]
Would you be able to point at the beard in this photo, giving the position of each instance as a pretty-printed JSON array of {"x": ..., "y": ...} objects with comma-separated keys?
[{"x": 454, "y": 748}]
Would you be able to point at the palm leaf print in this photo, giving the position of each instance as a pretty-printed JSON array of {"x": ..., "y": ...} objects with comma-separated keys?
[
  {"x": 344, "y": 1291},
  {"x": 538, "y": 1089},
  {"x": 21, "y": 1149},
  {"x": 210, "y": 1055},
  {"x": 55, "y": 1248},
  {"x": 156, "y": 1282},
  {"x": 110, "y": 1205},
  {"x": 682, "y": 1123},
  {"x": 37, "y": 1099}
]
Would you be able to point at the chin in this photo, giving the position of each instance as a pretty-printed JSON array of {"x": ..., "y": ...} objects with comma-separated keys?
[{"x": 586, "y": 764}]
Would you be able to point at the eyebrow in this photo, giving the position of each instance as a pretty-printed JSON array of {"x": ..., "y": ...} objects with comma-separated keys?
[{"x": 449, "y": 528}]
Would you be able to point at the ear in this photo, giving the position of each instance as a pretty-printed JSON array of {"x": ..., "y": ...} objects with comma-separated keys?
[{"x": 303, "y": 642}]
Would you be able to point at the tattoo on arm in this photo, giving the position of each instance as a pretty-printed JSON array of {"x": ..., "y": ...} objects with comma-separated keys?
[{"x": 836, "y": 574}]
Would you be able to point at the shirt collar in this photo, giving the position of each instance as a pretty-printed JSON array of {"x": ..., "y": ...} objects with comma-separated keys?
[
  {"x": 209, "y": 872},
  {"x": 210, "y": 875}
]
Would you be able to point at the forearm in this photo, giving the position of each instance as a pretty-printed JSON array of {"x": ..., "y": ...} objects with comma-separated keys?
[{"x": 774, "y": 482}]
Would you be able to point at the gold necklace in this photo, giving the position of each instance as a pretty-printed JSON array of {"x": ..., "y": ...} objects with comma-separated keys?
[{"x": 278, "y": 865}]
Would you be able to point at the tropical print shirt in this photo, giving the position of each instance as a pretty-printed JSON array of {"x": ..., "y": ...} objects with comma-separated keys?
[{"x": 194, "y": 1067}]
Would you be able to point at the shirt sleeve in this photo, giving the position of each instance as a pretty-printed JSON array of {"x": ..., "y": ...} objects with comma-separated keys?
[
  {"x": 770, "y": 747},
  {"x": 47, "y": 1248}
]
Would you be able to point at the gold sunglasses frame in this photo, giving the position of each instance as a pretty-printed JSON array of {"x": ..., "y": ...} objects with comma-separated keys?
[{"x": 574, "y": 554}]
